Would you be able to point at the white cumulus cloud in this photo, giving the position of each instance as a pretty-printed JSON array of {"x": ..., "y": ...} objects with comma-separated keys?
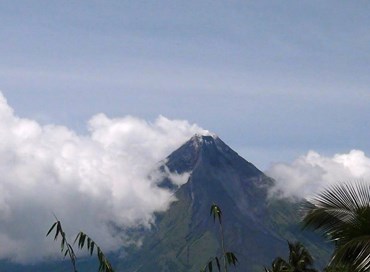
[
  {"x": 91, "y": 182},
  {"x": 311, "y": 173}
]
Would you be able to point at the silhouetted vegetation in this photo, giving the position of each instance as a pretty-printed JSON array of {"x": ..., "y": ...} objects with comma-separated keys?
[
  {"x": 299, "y": 260},
  {"x": 228, "y": 258},
  {"x": 342, "y": 214},
  {"x": 84, "y": 241}
]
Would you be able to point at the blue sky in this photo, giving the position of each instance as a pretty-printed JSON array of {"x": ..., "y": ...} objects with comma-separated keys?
[{"x": 273, "y": 79}]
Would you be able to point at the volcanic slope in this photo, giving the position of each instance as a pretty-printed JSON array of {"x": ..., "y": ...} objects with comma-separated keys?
[{"x": 256, "y": 227}]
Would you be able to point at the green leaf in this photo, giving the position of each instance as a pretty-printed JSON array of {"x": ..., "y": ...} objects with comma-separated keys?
[
  {"x": 81, "y": 237},
  {"x": 58, "y": 230},
  {"x": 231, "y": 258},
  {"x": 100, "y": 255},
  {"x": 218, "y": 264},
  {"x": 210, "y": 266},
  {"x": 51, "y": 229},
  {"x": 64, "y": 243},
  {"x": 92, "y": 244},
  {"x": 88, "y": 242}
]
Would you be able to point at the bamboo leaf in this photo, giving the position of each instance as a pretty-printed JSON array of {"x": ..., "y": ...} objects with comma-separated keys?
[
  {"x": 210, "y": 266},
  {"x": 82, "y": 240},
  {"x": 231, "y": 258},
  {"x": 88, "y": 243},
  {"x": 218, "y": 264},
  {"x": 57, "y": 231},
  {"x": 51, "y": 229},
  {"x": 66, "y": 248},
  {"x": 92, "y": 244},
  {"x": 81, "y": 237}
]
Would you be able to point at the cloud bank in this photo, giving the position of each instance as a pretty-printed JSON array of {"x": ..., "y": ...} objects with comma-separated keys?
[
  {"x": 313, "y": 172},
  {"x": 91, "y": 182}
]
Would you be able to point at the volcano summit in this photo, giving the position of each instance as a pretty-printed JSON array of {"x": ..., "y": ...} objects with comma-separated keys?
[{"x": 256, "y": 227}]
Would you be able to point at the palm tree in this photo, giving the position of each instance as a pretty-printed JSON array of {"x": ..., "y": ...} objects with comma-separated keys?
[
  {"x": 278, "y": 265},
  {"x": 300, "y": 260},
  {"x": 342, "y": 214}
]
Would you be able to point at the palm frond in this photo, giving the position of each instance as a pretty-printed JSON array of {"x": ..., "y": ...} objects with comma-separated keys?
[
  {"x": 342, "y": 214},
  {"x": 355, "y": 252}
]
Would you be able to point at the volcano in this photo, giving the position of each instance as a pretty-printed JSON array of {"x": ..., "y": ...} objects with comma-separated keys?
[
  {"x": 183, "y": 238},
  {"x": 256, "y": 227}
]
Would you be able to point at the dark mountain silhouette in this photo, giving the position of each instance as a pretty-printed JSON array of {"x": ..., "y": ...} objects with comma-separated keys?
[{"x": 256, "y": 227}]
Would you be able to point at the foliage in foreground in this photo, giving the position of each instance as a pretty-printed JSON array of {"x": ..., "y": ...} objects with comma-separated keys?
[
  {"x": 300, "y": 260},
  {"x": 227, "y": 258},
  {"x": 342, "y": 214},
  {"x": 83, "y": 241}
]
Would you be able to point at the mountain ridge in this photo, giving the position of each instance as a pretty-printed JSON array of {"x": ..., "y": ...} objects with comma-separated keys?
[{"x": 185, "y": 236}]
